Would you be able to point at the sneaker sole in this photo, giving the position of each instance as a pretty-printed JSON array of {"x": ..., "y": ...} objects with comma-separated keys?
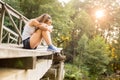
[{"x": 52, "y": 50}]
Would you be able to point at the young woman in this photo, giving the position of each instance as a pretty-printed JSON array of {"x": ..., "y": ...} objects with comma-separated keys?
[{"x": 37, "y": 29}]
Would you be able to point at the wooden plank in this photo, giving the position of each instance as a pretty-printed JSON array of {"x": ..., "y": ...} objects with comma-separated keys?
[
  {"x": 10, "y": 31},
  {"x": 22, "y": 63},
  {"x": 16, "y": 51},
  {"x": 12, "y": 74},
  {"x": 42, "y": 67},
  {"x": 61, "y": 71},
  {"x": 20, "y": 28},
  {"x": 14, "y": 25},
  {"x": 9, "y": 35},
  {"x": 1, "y": 22},
  {"x": 13, "y": 38},
  {"x": 0, "y": 5},
  {"x": 40, "y": 70},
  {"x": 13, "y": 13}
]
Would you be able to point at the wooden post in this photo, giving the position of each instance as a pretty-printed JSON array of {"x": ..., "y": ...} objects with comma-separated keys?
[
  {"x": 20, "y": 29},
  {"x": 61, "y": 71},
  {"x": 2, "y": 14},
  {"x": 8, "y": 40}
]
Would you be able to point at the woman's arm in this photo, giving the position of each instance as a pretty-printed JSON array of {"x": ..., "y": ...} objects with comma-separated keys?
[{"x": 41, "y": 26}]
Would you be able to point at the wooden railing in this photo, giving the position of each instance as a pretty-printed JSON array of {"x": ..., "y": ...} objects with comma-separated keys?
[
  {"x": 34, "y": 64},
  {"x": 10, "y": 32}
]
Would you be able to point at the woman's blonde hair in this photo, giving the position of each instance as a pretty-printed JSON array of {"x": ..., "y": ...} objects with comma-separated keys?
[{"x": 43, "y": 18}]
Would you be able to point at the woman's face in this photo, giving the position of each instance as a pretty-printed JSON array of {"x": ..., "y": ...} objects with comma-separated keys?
[{"x": 49, "y": 22}]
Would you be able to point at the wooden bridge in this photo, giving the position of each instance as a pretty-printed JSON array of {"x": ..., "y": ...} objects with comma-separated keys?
[{"x": 17, "y": 63}]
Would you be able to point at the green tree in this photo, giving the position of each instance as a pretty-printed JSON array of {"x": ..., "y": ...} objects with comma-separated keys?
[
  {"x": 14, "y": 3},
  {"x": 96, "y": 57}
]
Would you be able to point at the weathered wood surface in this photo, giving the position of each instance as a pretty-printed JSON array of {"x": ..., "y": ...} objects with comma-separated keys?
[
  {"x": 7, "y": 74},
  {"x": 20, "y": 63},
  {"x": 42, "y": 67},
  {"x": 16, "y": 51},
  {"x": 61, "y": 71}
]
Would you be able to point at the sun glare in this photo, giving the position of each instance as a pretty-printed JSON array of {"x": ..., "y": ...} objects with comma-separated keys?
[
  {"x": 66, "y": 1},
  {"x": 99, "y": 13}
]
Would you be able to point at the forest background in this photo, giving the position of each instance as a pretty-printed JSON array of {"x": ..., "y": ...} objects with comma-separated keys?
[{"x": 87, "y": 30}]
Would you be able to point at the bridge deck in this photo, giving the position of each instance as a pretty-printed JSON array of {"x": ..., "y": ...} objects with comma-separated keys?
[
  {"x": 17, "y": 63},
  {"x": 30, "y": 67},
  {"x": 16, "y": 51},
  {"x": 29, "y": 74}
]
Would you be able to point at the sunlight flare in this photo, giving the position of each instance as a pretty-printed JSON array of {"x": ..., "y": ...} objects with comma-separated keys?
[{"x": 99, "y": 14}]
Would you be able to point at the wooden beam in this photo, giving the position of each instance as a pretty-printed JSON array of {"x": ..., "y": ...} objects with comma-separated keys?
[
  {"x": 23, "y": 63},
  {"x": 15, "y": 26},
  {"x": 12, "y": 74},
  {"x": 3, "y": 37},
  {"x": 24, "y": 20},
  {"x": 10, "y": 31},
  {"x": 16, "y": 51},
  {"x": 41, "y": 68},
  {"x": 0, "y": 6},
  {"x": 20, "y": 29},
  {"x": 8, "y": 39},
  {"x": 1, "y": 22},
  {"x": 13, "y": 38},
  {"x": 61, "y": 71},
  {"x": 13, "y": 13}
]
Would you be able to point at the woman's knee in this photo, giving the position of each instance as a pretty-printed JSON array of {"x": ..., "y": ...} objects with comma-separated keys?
[
  {"x": 45, "y": 32},
  {"x": 38, "y": 31}
]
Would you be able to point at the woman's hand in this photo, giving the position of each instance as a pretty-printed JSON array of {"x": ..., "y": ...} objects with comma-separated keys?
[{"x": 49, "y": 28}]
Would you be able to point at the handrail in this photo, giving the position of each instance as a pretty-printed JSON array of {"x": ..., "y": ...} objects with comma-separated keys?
[
  {"x": 10, "y": 31},
  {"x": 13, "y": 11},
  {"x": 9, "y": 12}
]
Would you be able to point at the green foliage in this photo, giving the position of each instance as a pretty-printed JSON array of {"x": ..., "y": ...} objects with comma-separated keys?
[
  {"x": 94, "y": 50},
  {"x": 15, "y": 4},
  {"x": 83, "y": 23},
  {"x": 72, "y": 72},
  {"x": 82, "y": 43},
  {"x": 99, "y": 54},
  {"x": 94, "y": 54},
  {"x": 74, "y": 30}
]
